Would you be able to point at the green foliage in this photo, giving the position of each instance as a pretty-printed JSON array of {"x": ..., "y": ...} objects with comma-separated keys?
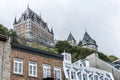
[
  {"x": 103, "y": 57},
  {"x": 13, "y": 34},
  {"x": 3, "y": 30},
  {"x": 78, "y": 52},
  {"x": 62, "y": 45},
  {"x": 112, "y": 58},
  {"x": 34, "y": 45}
]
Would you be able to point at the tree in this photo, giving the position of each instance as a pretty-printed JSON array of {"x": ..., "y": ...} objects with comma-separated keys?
[
  {"x": 3, "y": 30},
  {"x": 62, "y": 45},
  {"x": 13, "y": 35},
  {"x": 11, "y": 32}
]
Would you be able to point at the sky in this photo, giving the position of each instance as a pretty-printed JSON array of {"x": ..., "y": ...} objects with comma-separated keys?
[{"x": 101, "y": 18}]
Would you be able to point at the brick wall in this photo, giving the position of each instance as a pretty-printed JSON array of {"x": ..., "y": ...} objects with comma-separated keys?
[{"x": 40, "y": 61}]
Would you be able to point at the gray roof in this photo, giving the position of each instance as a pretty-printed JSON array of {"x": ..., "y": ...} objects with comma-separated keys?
[
  {"x": 70, "y": 37},
  {"x": 29, "y": 14},
  {"x": 87, "y": 40}
]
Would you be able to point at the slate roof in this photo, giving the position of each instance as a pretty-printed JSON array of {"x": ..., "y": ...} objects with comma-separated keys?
[
  {"x": 70, "y": 37},
  {"x": 29, "y": 14},
  {"x": 87, "y": 40}
]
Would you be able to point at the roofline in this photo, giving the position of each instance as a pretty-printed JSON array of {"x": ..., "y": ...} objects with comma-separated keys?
[
  {"x": 3, "y": 37},
  {"x": 90, "y": 44},
  {"x": 31, "y": 50}
]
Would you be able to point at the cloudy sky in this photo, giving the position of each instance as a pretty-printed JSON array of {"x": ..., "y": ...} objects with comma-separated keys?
[{"x": 100, "y": 17}]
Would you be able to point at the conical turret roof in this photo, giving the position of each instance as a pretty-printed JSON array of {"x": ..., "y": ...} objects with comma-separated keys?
[
  {"x": 87, "y": 40},
  {"x": 70, "y": 37}
]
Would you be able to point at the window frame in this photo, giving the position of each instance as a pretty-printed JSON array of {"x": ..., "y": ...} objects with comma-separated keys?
[
  {"x": 73, "y": 75},
  {"x": 33, "y": 64},
  {"x": 16, "y": 60},
  {"x": 46, "y": 73},
  {"x": 58, "y": 69}
]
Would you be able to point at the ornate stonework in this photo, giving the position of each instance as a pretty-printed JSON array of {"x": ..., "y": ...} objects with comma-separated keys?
[{"x": 32, "y": 27}]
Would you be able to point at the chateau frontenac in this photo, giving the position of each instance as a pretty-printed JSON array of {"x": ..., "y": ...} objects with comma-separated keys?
[{"x": 32, "y": 28}]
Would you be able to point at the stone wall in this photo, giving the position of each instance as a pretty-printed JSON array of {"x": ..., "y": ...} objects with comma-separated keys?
[
  {"x": 98, "y": 63},
  {"x": 5, "y": 57}
]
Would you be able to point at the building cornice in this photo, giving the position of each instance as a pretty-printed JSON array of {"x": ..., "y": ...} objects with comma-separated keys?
[{"x": 34, "y": 51}]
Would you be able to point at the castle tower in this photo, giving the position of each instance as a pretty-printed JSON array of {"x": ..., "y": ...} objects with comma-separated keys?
[
  {"x": 88, "y": 42},
  {"x": 32, "y": 28},
  {"x": 71, "y": 39}
]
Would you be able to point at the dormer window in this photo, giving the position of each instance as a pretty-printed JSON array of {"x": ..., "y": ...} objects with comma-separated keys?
[
  {"x": 80, "y": 65},
  {"x": 65, "y": 56},
  {"x": 68, "y": 57}
]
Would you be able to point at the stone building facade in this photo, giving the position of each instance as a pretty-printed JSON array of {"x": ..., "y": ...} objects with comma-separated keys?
[
  {"x": 18, "y": 62},
  {"x": 35, "y": 64},
  {"x": 32, "y": 28},
  {"x": 5, "y": 57},
  {"x": 96, "y": 62}
]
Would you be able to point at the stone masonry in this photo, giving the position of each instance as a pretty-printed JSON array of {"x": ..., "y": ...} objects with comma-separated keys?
[
  {"x": 96, "y": 62},
  {"x": 5, "y": 64}
]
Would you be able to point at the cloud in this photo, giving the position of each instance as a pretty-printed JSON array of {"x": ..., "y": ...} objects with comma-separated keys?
[{"x": 101, "y": 18}]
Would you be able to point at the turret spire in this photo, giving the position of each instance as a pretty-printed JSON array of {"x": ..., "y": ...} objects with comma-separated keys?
[
  {"x": 52, "y": 31},
  {"x": 28, "y": 6},
  {"x": 15, "y": 21}
]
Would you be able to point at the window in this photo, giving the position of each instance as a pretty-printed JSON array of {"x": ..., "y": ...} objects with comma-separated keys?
[
  {"x": 80, "y": 65},
  {"x": 65, "y": 56},
  {"x": 57, "y": 73},
  {"x": 84, "y": 76},
  {"x": 96, "y": 77},
  {"x": 106, "y": 78},
  {"x": 18, "y": 66},
  {"x": 79, "y": 74},
  {"x": 73, "y": 76},
  {"x": 32, "y": 69},
  {"x": 46, "y": 71}
]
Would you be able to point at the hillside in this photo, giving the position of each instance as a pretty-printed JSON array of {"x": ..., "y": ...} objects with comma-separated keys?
[
  {"x": 77, "y": 52},
  {"x": 81, "y": 53}
]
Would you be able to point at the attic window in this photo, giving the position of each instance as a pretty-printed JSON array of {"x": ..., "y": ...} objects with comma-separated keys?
[
  {"x": 65, "y": 56},
  {"x": 80, "y": 65}
]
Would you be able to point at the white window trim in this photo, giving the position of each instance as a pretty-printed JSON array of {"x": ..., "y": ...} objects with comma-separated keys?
[
  {"x": 58, "y": 68},
  {"x": 21, "y": 66},
  {"x": 32, "y": 68},
  {"x": 73, "y": 74},
  {"x": 46, "y": 66}
]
